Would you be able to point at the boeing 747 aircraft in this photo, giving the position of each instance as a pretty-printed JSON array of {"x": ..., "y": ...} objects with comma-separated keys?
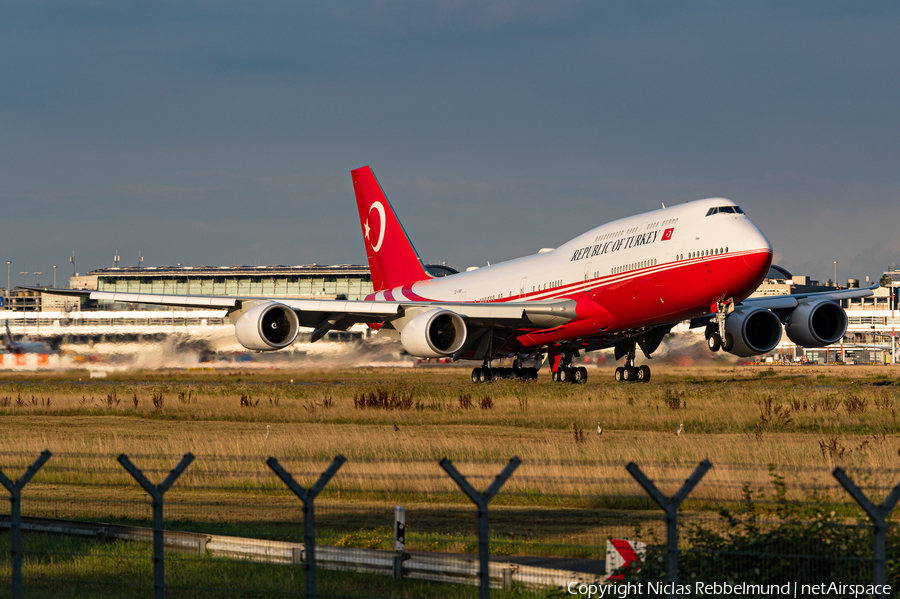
[
  {"x": 624, "y": 285},
  {"x": 24, "y": 347}
]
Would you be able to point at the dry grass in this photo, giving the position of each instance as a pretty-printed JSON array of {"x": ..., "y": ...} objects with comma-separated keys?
[
  {"x": 394, "y": 426},
  {"x": 399, "y": 424}
]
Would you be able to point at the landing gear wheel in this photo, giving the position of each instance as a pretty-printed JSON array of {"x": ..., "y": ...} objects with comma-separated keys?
[
  {"x": 476, "y": 375},
  {"x": 485, "y": 375},
  {"x": 531, "y": 374},
  {"x": 620, "y": 374},
  {"x": 729, "y": 342},
  {"x": 628, "y": 374},
  {"x": 554, "y": 376},
  {"x": 714, "y": 342},
  {"x": 564, "y": 375},
  {"x": 643, "y": 374},
  {"x": 579, "y": 375}
]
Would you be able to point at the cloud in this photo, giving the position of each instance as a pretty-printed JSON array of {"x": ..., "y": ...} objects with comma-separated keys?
[
  {"x": 495, "y": 127},
  {"x": 409, "y": 15},
  {"x": 142, "y": 189},
  {"x": 199, "y": 224}
]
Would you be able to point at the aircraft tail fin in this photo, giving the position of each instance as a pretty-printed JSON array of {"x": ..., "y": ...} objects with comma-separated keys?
[{"x": 393, "y": 261}]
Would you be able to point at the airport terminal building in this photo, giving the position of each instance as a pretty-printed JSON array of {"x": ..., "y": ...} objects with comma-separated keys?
[{"x": 343, "y": 281}]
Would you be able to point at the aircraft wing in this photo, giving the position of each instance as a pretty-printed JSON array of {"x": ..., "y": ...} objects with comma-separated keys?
[
  {"x": 312, "y": 312},
  {"x": 180, "y": 301},
  {"x": 779, "y": 302}
]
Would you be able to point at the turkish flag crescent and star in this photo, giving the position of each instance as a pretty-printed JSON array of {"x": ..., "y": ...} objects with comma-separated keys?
[{"x": 667, "y": 234}]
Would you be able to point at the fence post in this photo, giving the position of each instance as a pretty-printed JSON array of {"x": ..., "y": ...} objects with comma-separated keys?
[
  {"x": 15, "y": 517},
  {"x": 309, "y": 516},
  {"x": 482, "y": 500},
  {"x": 400, "y": 554},
  {"x": 670, "y": 506},
  {"x": 878, "y": 514},
  {"x": 156, "y": 493}
]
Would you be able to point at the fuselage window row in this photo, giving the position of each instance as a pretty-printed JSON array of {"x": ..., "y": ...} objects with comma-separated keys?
[
  {"x": 703, "y": 253},
  {"x": 634, "y": 265}
]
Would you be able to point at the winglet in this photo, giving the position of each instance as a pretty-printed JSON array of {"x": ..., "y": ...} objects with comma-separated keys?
[{"x": 393, "y": 261}]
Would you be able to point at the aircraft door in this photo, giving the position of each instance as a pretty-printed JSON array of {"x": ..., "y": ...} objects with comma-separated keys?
[
  {"x": 587, "y": 271},
  {"x": 523, "y": 287}
]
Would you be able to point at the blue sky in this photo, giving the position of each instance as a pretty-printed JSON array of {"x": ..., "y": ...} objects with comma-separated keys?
[{"x": 223, "y": 132}]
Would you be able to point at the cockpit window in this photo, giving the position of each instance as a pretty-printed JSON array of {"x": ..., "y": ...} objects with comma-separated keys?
[{"x": 725, "y": 209}]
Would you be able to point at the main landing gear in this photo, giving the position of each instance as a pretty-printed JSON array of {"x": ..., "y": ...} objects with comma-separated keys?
[
  {"x": 631, "y": 374},
  {"x": 486, "y": 373},
  {"x": 566, "y": 373},
  {"x": 570, "y": 374}
]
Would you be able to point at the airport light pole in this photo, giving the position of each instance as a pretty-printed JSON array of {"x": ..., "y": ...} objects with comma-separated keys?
[
  {"x": 24, "y": 274},
  {"x": 835, "y": 273},
  {"x": 54, "y": 275},
  {"x": 8, "y": 262}
]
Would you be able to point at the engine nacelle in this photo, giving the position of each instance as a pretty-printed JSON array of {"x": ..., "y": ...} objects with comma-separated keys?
[
  {"x": 816, "y": 324},
  {"x": 751, "y": 332},
  {"x": 434, "y": 334},
  {"x": 267, "y": 327}
]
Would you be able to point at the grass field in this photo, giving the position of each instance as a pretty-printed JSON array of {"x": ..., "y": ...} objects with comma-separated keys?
[
  {"x": 123, "y": 569},
  {"x": 748, "y": 415},
  {"x": 394, "y": 426}
]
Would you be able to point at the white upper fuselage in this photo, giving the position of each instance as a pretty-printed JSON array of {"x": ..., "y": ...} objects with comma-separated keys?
[{"x": 661, "y": 239}]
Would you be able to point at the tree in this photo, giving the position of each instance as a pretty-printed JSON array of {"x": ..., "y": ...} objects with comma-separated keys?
[{"x": 885, "y": 280}]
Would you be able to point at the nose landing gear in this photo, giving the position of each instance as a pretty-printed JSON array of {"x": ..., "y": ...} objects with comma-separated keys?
[{"x": 716, "y": 337}]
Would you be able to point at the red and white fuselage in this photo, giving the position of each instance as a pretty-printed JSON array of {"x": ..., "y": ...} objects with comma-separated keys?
[{"x": 653, "y": 268}]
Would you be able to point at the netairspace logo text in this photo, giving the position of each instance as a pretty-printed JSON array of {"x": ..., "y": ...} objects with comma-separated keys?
[{"x": 719, "y": 589}]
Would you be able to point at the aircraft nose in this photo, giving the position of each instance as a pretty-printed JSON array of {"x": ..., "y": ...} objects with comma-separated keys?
[
  {"x": 760, "y": 259},
  {"x": 755, "y": 240}
]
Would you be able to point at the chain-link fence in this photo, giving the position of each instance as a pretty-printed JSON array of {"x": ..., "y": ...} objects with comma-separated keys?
[{"x": 85, "y": 525}]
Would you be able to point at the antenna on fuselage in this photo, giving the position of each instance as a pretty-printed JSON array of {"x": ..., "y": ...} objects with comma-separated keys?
[{"x": 663, "y": 205}]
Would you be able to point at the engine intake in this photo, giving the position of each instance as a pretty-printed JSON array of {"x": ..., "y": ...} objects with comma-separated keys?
[
  {"x": 267, "y": 327},
  {"x": 434, "y": 334},
  {"x": 816, "y": 324},
  {"x": 751, "y": 332}
]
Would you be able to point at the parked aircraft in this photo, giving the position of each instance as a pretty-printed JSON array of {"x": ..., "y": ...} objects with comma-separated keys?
[
  {"x": 24, "y": 347},
  {"x": 624, "y": 284}
]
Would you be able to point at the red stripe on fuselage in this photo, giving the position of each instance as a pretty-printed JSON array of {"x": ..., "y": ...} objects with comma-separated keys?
[
  {"x": 409, "y": 293},
  {"x": 628, "y": 275},
  {"x": 643, "y": 297},
  {"x": 659, "y": 296}
]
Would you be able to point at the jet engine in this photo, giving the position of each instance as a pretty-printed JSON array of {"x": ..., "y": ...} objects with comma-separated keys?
[
  {"x": 816, "y": 324},
  {"x": 267, "y": 327},
  {"x": 434, "y": 334},
  {"x": 751, "y": 332}
]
